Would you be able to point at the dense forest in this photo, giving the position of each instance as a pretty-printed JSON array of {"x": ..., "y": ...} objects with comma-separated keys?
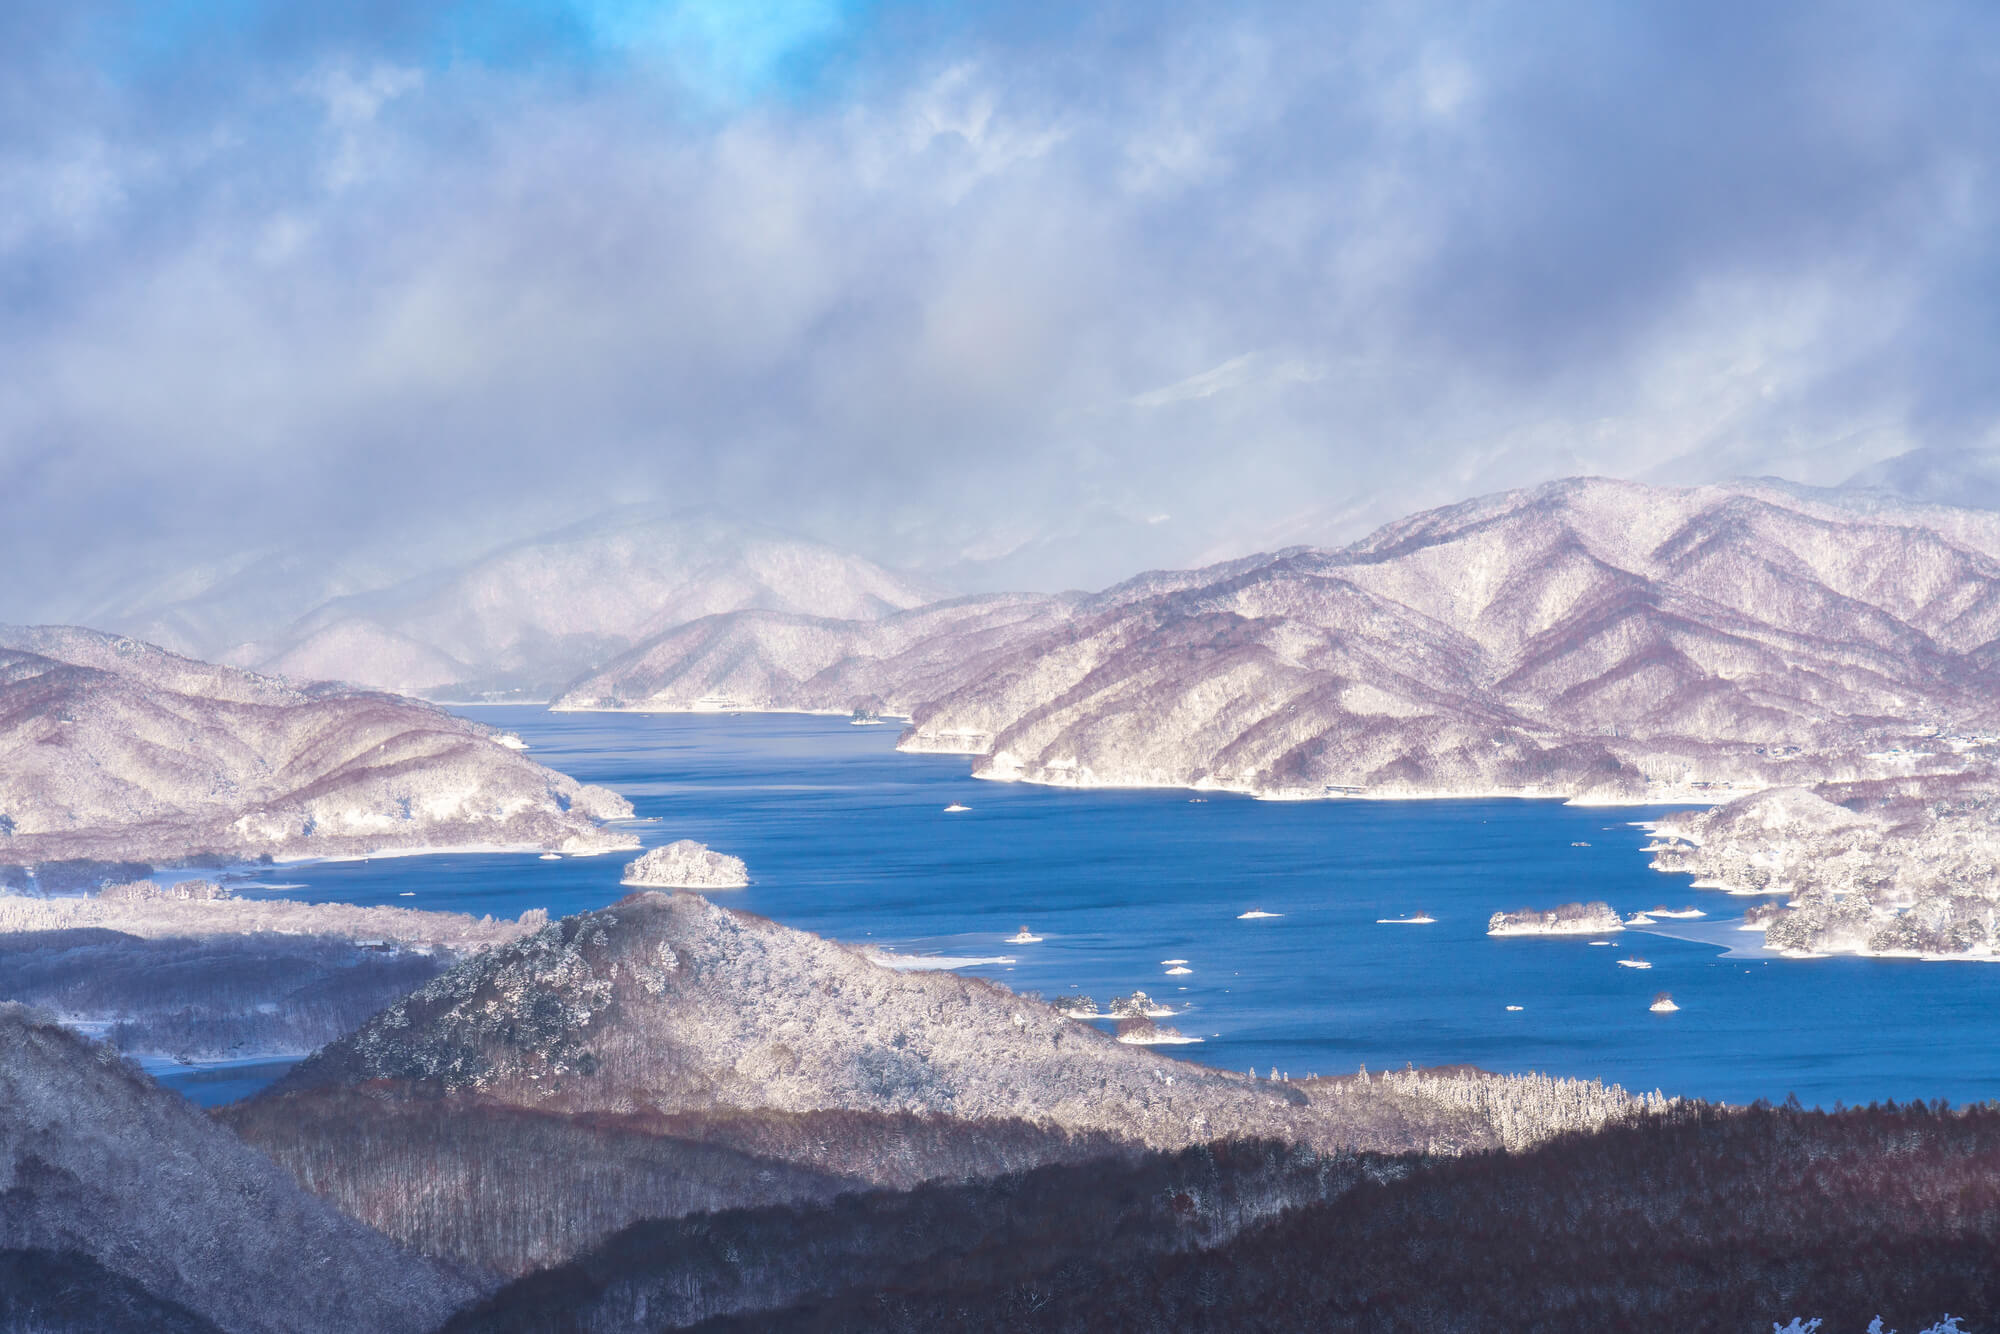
[
  {"x": 502, "y": 1190},
  {"x": 1700, "y": 1218}
]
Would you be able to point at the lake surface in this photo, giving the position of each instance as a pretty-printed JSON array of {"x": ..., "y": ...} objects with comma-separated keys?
[{"x": 850, "y": 839}]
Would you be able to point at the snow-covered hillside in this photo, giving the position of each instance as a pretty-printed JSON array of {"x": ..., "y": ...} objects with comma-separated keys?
[
  {"x": 111, "y": 748},
  {"x": 1906, "y": 867},
  {"x": 666, "y": 1004},
  {"x": 1592, "y": 639},
  {"x": 165, "y": 1220}
]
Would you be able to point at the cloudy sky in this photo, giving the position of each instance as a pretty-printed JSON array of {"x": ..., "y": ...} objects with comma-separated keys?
[{"x": 1082, "y": 287}]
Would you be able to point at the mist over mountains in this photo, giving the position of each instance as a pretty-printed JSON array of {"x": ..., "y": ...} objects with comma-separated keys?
[{"x": 513, "y": 623}]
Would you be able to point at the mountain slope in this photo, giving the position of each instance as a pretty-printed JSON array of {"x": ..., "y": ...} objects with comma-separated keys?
[
  {"x": 666, "y": 1004},
  {"x": 790, "y": 660},
  {"x": 671, "y": 1017},
  {"x": 103, "y": 1170},
  {"x": 110, "y": 748},
  {"x": 1587, "y": 638},
  {"x": 517, "y": 621}
]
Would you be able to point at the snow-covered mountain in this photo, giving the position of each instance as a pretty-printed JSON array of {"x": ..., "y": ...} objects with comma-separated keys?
[
  {"x": 670, "y": 1019},
  {"x": 516, "y": 622},
  {"x": 792, "y": 661},
  {"x": 1587, "y": 638},
  {"x": 126, "y": 1208},
  {"x": 111, "y": 748}
]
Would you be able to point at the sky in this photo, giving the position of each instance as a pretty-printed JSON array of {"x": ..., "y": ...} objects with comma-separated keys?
[{"x": 1013, "y": 293}]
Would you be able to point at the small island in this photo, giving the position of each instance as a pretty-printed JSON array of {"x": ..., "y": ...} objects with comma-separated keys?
[
  {"x": 1569, "y": 919},
  {"x": 687, "y": 864}
]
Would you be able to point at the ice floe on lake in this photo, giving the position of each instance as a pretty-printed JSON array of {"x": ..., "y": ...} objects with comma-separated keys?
[{"x": 934, "y": 963}]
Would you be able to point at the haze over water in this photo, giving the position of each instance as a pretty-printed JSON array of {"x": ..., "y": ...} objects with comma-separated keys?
[{"x": 848, "y": 838}]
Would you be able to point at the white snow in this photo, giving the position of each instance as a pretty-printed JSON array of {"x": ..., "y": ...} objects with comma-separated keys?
[
  {"x": 933, "y": 963},
  {"x": 686, "y": 864}
]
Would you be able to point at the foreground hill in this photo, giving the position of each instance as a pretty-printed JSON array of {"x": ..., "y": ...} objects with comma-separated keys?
[
  {"x": 673, "y": 1017},
  {"x": 1705, "y": 1218},
  {"x": 110, "y": 748},
  {"x": 666, "y": 1004},
  {"x": 125, "y": 1208},
  {"x": 516, "y": 622},
  {"x": 1587, "y": 638}
]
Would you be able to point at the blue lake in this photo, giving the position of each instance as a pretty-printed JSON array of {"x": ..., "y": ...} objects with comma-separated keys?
[{"x": 848, "y": 838}]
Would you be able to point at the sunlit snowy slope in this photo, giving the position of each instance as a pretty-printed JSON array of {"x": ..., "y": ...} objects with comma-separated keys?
[
  {"x": 1593, "y": 639},
  {"x": 111, "y": 748}
]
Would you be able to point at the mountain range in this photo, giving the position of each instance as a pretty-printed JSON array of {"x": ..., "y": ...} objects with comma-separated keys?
[
  {"x": 1591, "y": 639},
  {"x": 513, "y": 623}
]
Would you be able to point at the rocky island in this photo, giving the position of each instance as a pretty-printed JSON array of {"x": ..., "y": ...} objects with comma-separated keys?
[
  {"x": 1568, "y": 919},
  {"x": 686, "y": 864}
]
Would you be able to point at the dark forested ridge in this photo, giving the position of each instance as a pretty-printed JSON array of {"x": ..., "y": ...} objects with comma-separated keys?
[
  {"x": 55, "y": 1292},
  {"x": 1703, "y": 1218},
  {"x": 665, "y": 1274},
  {"x": 503, "y": 1190}
]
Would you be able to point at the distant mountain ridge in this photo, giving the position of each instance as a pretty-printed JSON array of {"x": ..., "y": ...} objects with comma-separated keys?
[
  {"x": 514, "y": 623},
  {"x": 114, "y": 749},
  {"x": 1586, "y": 638}
]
